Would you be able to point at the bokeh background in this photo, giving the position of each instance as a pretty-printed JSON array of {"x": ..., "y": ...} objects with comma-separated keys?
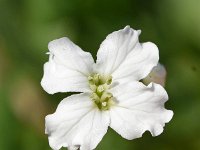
[{"x": 26, "y": 27}]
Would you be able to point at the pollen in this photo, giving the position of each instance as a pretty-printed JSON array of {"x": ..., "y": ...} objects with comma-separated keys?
[{"x": 99, "y": 84}]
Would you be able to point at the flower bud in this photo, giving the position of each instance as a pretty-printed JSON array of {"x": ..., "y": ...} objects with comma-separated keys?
[{"x": 157, "y": 75}]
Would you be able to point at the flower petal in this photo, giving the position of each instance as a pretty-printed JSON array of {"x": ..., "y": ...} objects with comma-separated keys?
[
  {"x": 76, "y": 123},
  {"x": 139, "y": 108},
  {"x": 58, "y": 78},
  {"x": 67, "y": 69},
  {"x": 123, "y": 56}
]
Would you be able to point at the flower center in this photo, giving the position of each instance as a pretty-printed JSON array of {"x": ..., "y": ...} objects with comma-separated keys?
[{"x": 100, "y": 84}]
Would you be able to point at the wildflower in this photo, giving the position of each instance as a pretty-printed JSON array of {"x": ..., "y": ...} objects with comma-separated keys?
[{"x": 111, "y": 94}]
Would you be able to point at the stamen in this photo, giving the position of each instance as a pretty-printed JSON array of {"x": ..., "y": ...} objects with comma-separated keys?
[
  {"x": 95, "y": 97},
  {"x": 93, "y": 87},
  {"x": 100, "y": 89},
  {"x": 99, "y": 84},
  {"x": 104, "y": 104},
  {"x": 109, "y": 80}
]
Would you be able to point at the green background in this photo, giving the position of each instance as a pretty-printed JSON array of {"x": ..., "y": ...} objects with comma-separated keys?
[{"x": 26, "y": 27}]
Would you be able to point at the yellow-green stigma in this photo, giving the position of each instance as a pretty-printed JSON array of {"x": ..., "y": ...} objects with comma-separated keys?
[{"x": 99, "y": 84}]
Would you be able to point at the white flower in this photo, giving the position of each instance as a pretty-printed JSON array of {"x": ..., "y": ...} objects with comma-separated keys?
[{"x": 112, "y": 94}]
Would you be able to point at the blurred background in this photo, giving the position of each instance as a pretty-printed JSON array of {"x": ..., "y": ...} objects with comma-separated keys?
[{"x": 26, "y": 27}]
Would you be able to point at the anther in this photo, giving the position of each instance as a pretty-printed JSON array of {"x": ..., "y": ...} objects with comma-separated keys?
[
  {"x": 93, "y": 87},
  {"x": 96, "y": 79},
  {"x": 109, "y": 80},
  {"x": 95, "y": 97},
  {"x": 90, "y": 80},
  {"x": 100, "y": 89},
  {"x": 104, "y": 104},
  {"x": 106, "y": 96}
]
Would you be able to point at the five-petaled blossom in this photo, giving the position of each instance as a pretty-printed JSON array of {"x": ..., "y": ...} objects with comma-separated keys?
[{"x": 111, "y": 92}]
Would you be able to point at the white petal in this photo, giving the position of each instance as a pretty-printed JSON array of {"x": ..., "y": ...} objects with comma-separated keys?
[
  {"x": 76, "y": 123},
  {"x": 139, "y": 109},
  {"x": 72, "y": 56},
  {"x": 67, "y": 69},
  {"x": 58, "y": 78},
  {"x": 123, "y": 56}
]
